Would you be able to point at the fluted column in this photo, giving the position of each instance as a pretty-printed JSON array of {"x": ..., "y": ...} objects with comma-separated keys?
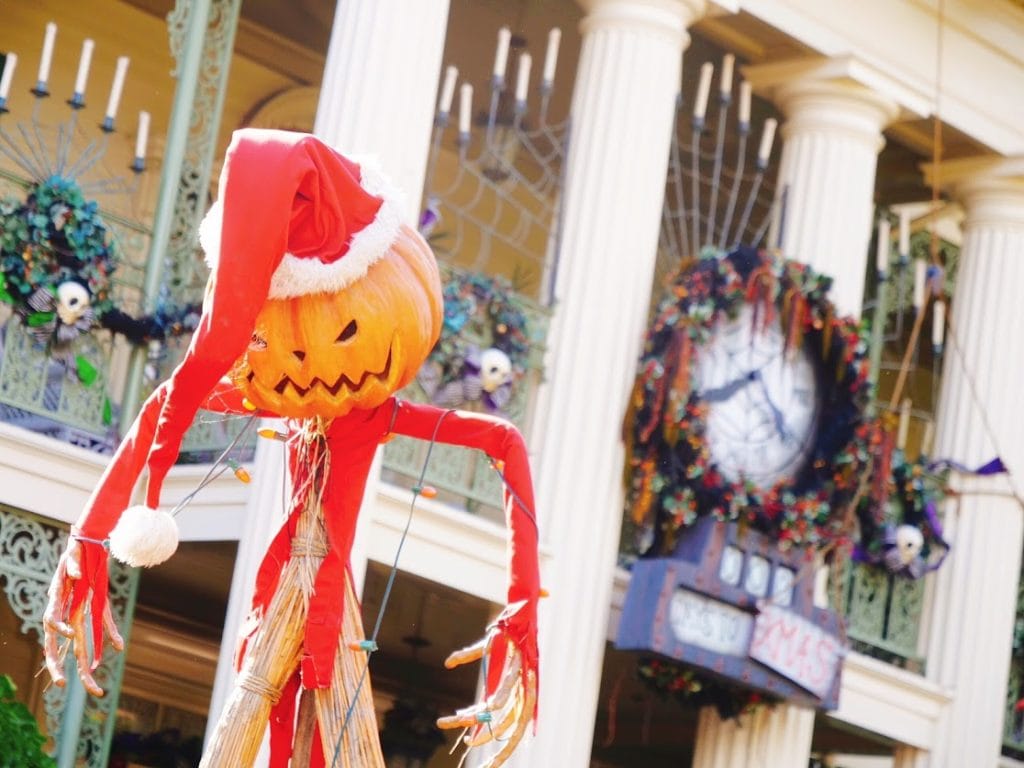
[
  {"x": 264, "y": 514},
  {"x": 380, "y": 84},
  {"x": 778, "y": 738},
  {"x": 976, "y": 592},
  {"x": 832, "y": 136},
  {"x": 622, "y": 111}
]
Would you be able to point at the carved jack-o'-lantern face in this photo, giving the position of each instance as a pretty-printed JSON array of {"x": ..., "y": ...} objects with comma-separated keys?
[{"x": 324, "y": 354}]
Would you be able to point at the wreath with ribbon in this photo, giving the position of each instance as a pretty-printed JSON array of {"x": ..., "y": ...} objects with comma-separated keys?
[
  {"x": 900, "y": 529},
  {"x": 671, "y": 479},
  {"x": 56, "y": 261},
  {"x": 483, "y": 348}
]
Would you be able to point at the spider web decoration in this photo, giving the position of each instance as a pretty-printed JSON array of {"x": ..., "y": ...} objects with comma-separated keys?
[
  {"x": 718, "y": 191},
  {"x": 493, "y": 187}
]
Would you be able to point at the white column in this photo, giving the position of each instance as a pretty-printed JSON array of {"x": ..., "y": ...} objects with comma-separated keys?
[
  {"x": 377, "y": 99},
  {"x": 832, "y": 135},
  {"x": 264, "y": 514},
  {"x": 976, "y": 591},
  {"x": 622, "y": 112},
  {"x": 380, "y": 84},
  {"x": 780, "y": 738}
]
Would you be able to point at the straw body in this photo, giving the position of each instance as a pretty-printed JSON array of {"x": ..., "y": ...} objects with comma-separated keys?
[{"x": 273, "y": 658}]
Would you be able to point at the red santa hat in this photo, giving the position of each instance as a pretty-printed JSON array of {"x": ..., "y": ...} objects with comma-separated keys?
[{"x": 293, "y": 217}]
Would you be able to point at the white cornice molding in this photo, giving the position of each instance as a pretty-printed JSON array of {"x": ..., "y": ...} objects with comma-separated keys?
[
  {"x": 983, "y": 54},
  {"x": 773, "y": 80}
]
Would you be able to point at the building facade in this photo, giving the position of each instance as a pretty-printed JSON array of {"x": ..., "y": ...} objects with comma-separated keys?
[{"x": 858, "y": 89}]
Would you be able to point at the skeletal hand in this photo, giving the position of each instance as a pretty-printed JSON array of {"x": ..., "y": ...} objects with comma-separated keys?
[
  {"x": 508, "y": 709},
  {"x": 55, "y": 622}
]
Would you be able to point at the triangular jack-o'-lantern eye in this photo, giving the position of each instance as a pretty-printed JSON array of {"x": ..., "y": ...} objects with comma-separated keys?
[{"x": 349, "y": 332}]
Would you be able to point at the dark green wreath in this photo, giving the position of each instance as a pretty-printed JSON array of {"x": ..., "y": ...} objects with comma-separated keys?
[
  {"x": 54, "y": 236},
  {"x": 670, "y": 477}
]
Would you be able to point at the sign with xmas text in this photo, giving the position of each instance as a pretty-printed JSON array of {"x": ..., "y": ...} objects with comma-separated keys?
[
  {"x": 730, "y": 604},
  {"x": 797, "y": 649}
]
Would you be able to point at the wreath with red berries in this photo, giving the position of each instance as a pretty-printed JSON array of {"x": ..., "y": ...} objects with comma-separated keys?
[{"x": 671, "y": 479}]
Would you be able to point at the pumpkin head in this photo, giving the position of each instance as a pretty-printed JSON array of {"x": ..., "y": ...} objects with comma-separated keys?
[{"x": 323, "y": 354}]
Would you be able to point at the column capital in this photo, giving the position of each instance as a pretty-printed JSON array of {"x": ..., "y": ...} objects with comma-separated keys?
[
  {"x": 667, "y": 17},
  {"x": 991, "y": 188},
  {"x": 835, "y": 95}
]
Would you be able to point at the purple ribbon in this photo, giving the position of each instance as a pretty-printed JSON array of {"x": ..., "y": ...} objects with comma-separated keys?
[{"x": 993, "y": 467}]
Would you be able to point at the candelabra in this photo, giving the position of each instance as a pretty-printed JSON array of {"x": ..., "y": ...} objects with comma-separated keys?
[{"x": 499, "y": 198}]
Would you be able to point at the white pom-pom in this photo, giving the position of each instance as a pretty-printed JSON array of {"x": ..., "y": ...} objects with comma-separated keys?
[{"x": 144, "y": 537}]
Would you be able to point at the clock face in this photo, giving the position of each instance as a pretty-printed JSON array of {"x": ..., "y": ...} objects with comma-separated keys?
[{"x": 762, "y": 401}]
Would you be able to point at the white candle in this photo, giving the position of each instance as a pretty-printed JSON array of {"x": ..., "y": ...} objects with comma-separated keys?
[
  {"x": 904, "y": 249},
  {"x": 884, "y": 238},
  {"x": 904, "y": 427},
  {"x": 938, "y": 324},
  {"x": 501, "y": 53},
  {"x": 920, "y": 274},
  {"x": 116, "y": 87},
  {"x": 523, "y": 77},
  {"x": 551, "y": 56},
  {"x": 767, "y": 138},
  {"x": 83, "y": 67},
  {"x": 143, "y": 136},
  {"x": 744, "y": 103},
  {"x": 928, "y": 438},
  {"x": 700, "y": 103},
  {"x": 451, "y": 74},
  {"x": 5, "y": 82},
  {"x": 465, "y": 107},
  {"x": 725, "y": 87},
  {"x": 44, "y": 62}
]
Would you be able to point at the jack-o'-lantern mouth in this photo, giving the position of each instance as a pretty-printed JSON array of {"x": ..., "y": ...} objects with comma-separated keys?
[{"x": 332, "y": 389}]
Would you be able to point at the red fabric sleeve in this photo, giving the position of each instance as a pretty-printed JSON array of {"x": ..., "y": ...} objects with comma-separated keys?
[
  {"x": 500, "y": 440},
  {"x": 281, "y": 192}
]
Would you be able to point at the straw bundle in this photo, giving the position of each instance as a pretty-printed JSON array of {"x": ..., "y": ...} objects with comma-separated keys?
[{"x": 274, "y": 655}]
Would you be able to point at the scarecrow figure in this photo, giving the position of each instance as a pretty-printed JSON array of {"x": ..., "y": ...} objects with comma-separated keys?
[{"x": 322, "y": 303}]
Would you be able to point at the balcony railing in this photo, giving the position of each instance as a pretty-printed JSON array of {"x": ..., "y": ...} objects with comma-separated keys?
[
  {"x": 883, "y": 614},
  {"x": 464, "y": 477}
]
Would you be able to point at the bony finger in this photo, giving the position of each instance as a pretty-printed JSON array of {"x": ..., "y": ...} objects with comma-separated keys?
[
  {"x": 73, "y": 559},
  {"x": 509, "y": 679},
  {"x": 528, "y": 703},
  {"x": 82, "y": 654},
  {"x": 111, "y": 627},
  {"x": 468, "y": 654},
  {"x": 51, "y": 623},
  {"x": 507, "y": 715},
  {"x": 52, "y": 657},
  {"x": 457, "y": 721}
]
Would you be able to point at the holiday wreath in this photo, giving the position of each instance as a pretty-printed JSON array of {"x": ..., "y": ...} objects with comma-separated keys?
[
  {"x": 484, "y": 344},
  {"x": 670, "y": 476},
  {"x": 56, "y": 259}
]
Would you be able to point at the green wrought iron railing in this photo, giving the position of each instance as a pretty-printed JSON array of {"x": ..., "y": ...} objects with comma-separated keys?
[
  {"x": 883, "y": 614},
  {"x": 1013, "y": 724},
  {"x": 464, "y": 477}
]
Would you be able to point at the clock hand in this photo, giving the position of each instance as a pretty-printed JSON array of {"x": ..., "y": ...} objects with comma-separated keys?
[
  {"x": 726, "y": 391},
  {"x": 780, "y": 421}
]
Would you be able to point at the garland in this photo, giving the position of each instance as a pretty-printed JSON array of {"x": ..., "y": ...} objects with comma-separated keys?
[
  {"x": 459, "y": 371},
  {"x": 670, "y": 679},
  {"x": 670, "y": 477}
]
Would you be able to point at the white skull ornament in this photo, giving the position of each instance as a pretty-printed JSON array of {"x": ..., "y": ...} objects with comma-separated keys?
[
  {"x": 72, "y": 302},
  {"x": 909, "y": 541},
  {"x": 495, "y": 369}
]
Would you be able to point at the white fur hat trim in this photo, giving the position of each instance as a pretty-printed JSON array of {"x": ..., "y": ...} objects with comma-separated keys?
[
  {"x": 297, "y": 276},
  {"x": 144, "y": 537}
]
